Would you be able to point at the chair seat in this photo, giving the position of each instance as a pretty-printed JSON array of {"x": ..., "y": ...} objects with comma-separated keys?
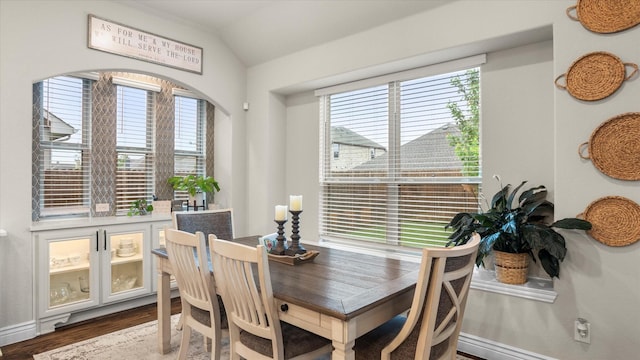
[
  {"x": 296, "y": 341},
  {"x": 369, "y": 345},
  {"x": 203, "y": 316}
]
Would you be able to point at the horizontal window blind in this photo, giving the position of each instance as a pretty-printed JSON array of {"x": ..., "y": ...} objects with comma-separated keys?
[
  {"x": 64, "y": 165},
  {"x": 400, "y": 159},
  {"x": 189, "y": 139},
  {"x": 134, "y": 146}
]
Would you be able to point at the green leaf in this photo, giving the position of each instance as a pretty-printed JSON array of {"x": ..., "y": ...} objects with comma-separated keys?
[
  {"x": 513, "y": 194},
  {"x": 572, "y": 223},
  {"x": 550, "y": 264},
  {"x": 499, "y": 201},
  {"x": 532, "y": 195}
]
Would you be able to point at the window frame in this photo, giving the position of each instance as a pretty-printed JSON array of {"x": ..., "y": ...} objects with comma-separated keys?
[
  {"x": 199, "y": 154},
  {"x": 123, "y": 197},
  {"x": 83, "y": 147},
  {"x": 394, "y": 183}
]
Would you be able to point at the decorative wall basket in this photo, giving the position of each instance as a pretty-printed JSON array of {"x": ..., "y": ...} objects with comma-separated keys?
[
  {"x": 511, "y": 268},
  {"x": 615, "y": 220},
  {"x": 614, "y": 147},
  {"x": 595, "y": 76},
  {"x": 606, "y": 16}
]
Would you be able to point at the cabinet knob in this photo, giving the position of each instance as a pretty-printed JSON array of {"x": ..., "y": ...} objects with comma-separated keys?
[{"x": 284, "y": 307}]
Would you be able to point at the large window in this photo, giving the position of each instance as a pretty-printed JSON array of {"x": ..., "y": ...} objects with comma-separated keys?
[
  {"x": 104, "y": 140},
  {"x": 408, "y": 155}
]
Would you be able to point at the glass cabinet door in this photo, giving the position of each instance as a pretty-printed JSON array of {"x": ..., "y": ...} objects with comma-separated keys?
[
  {"x": 70, "y": 272},
  {"x": 127, "y": 259}
]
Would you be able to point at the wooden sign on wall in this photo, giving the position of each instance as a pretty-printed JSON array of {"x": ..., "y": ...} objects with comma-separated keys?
[{"x": 111, "y": 37}]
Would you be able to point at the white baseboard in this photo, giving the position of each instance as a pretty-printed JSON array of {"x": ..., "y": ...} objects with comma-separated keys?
[
  {"x": 16, "y": 333},
  {"x": 488, "y": 349}
]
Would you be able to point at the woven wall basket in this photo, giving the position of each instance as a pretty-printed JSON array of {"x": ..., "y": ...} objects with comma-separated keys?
[
  {"x": 606, "y": 16},
  {"x": 615, "y": 220},
  {"x": 595, "y": 76},
  {"x": 614, "y": 147}
]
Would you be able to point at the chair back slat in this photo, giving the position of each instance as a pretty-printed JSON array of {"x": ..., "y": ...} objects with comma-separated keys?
[
  {"x": 200, "y": 309},
  {"x": 192, "y": 282},
  {"x": 247, "y": 295}
]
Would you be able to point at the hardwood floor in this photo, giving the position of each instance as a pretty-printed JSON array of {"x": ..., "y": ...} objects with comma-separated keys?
[{"x": 84, "y": 330}]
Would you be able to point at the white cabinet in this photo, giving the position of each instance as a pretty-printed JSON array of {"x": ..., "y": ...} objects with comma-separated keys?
[{"x": 82, "y": 268}]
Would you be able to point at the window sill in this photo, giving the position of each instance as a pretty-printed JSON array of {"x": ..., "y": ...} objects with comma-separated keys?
[{"x": 537, "y": 289}]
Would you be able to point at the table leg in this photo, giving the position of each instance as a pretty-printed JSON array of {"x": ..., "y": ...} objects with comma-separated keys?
[
  {"x": 164, "y": 312},
  {"x": 342, "y": 351}
]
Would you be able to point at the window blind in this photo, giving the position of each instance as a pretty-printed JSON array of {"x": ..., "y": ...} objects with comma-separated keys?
[
  {"x": 134, "y": 146},
  {"x": 64, "y": 165},
  {"x": 189, "y": 139},
  {"x": 391, "y": 170}
]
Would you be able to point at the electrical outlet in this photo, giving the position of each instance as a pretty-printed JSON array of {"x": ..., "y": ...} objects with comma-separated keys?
[
  {"x": 582, "y": 331},
  {"x": 103, "y": 207}
]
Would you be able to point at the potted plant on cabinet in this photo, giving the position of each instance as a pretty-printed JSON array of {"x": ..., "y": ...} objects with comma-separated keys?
[
  {"x": 520, "y": 232},
  {"x": 140, "y": 207},
  {"x": 195, "y": 185}
]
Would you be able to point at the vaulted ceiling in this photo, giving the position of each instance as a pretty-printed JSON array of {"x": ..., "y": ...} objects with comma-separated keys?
[{"x": 261, "y": 30}]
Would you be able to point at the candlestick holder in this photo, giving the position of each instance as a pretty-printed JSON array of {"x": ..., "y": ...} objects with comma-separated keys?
[
  {"x": 295, "y": 247},
  {"x": 281, "y": 246}
]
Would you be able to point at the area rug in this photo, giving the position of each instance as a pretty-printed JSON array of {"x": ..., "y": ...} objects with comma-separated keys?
[{"x": 139, "y": 343}]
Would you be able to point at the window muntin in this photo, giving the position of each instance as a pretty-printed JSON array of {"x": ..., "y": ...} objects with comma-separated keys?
[{"x": 415, "y": 181}]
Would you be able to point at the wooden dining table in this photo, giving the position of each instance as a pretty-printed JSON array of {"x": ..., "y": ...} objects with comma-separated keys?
[{"x": 339, "y": 295}]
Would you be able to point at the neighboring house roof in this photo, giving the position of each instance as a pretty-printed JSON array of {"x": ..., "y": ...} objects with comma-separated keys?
[
  {"x": 441, "y": 155},
  {"x": 342, "y": 135},
  {"x": 58, "y": 127}
]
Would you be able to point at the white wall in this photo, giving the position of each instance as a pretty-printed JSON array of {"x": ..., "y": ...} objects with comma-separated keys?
[
  {"x": 531, "y": 131},
  {"x": 40, "y": 39}
]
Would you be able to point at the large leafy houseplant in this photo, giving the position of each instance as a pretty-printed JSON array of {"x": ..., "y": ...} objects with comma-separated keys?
[
  {"x": 525, "y": 228},
  {"x": 194, "y": 184}
]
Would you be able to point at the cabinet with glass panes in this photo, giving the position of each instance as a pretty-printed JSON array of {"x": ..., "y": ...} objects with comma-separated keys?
[{"x": 83, "y": 268}]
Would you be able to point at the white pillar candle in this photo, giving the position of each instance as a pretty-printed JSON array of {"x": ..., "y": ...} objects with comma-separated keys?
[
  {"x": 281, "y": 212},
  {"x": 295, "y": 202}
]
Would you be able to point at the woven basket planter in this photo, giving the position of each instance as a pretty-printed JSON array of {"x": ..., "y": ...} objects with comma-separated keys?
[{"x": 511, "y": 268}]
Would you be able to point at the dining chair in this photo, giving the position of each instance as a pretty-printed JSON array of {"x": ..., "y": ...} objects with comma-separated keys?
[
  {"x": 430, "y": 330},
  {"x": 200, "y": 308},
  {"x": 218, "y": 222},
  {"x": 255, "y": 329}
]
